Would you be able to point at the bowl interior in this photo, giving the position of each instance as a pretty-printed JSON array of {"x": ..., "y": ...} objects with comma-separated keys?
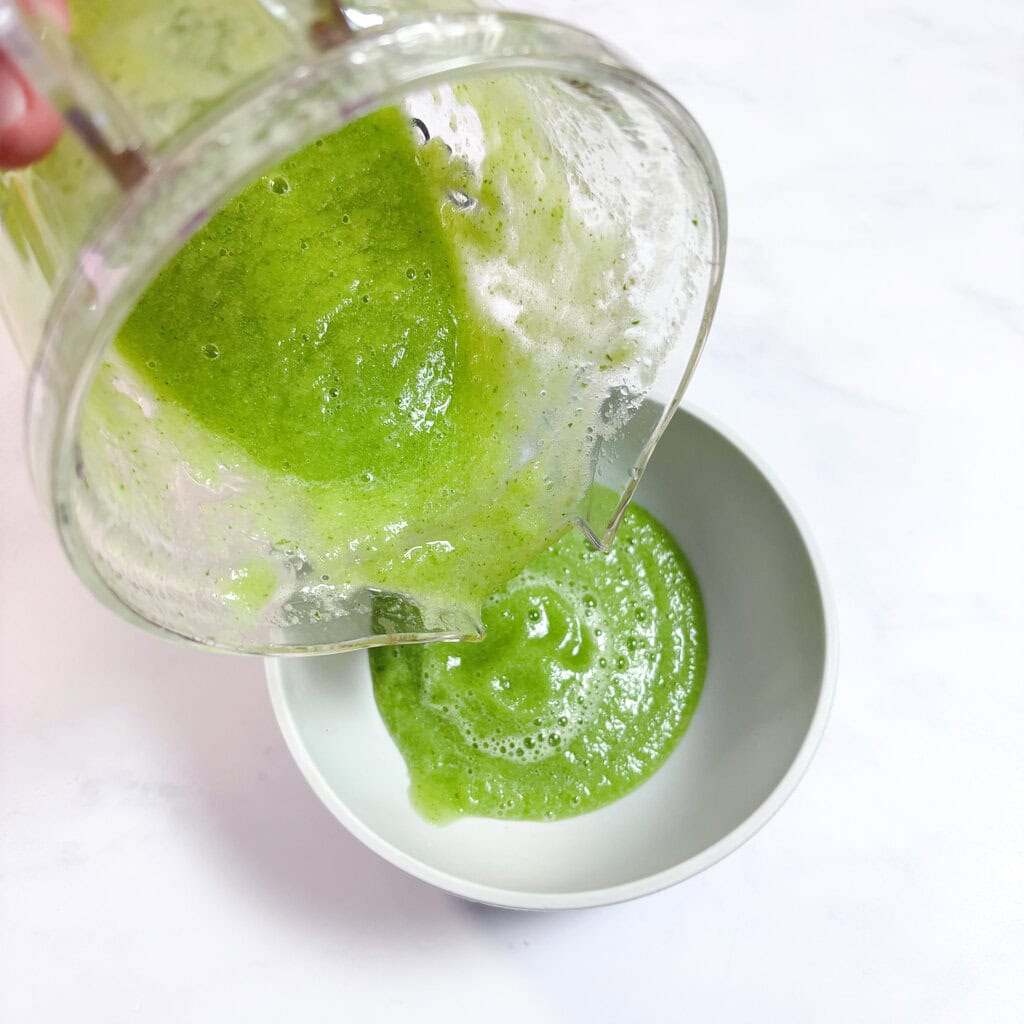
[{"x": 763, "y": 707}]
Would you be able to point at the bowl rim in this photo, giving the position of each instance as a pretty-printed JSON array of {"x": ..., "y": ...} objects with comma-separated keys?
[{"x": 514, "y": 899}]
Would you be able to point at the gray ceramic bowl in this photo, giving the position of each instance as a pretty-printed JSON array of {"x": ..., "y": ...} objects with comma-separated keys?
[{"x": 771, "y": 675}]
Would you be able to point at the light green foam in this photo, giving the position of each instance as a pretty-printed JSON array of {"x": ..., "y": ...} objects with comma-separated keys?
[{"x": 588, "y": 677}]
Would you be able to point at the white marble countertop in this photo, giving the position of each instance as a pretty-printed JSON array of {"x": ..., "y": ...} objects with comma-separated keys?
[{"x": 161, "y": 860}]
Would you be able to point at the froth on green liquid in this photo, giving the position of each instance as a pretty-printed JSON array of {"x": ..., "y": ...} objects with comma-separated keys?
[{"x": 588, "y": 676}]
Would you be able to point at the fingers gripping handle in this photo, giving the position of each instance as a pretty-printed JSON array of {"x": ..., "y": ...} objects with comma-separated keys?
[{"x": 48, "y": 60}]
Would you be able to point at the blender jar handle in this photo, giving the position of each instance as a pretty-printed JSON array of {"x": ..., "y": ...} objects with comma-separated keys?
[
  {"x": 51, "y": 63},
  {"x": 47, "y": 58}
]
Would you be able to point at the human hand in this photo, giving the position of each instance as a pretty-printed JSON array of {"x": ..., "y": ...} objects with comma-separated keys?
[{"x": 29, "y": 126}]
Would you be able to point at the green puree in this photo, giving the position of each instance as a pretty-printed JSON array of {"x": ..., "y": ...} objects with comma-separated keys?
[
  {"x": 320, "y": 323},
  {"x": 588, "y": 676},
  {"x": 315, "y": 318}
]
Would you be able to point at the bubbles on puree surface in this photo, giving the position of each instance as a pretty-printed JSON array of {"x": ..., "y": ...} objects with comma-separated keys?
[
  {"x": 484, "y": 693},
  {"x": 589, "y": 672}
]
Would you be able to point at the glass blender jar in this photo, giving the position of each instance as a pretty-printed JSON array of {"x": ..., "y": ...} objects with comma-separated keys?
[{"x": 173, "y": 107}]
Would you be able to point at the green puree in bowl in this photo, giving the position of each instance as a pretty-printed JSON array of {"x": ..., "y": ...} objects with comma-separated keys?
[{"x": 588, "y": 677}]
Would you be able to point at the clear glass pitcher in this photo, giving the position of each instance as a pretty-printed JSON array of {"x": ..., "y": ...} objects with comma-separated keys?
[{"x": 173, "y": 106}]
